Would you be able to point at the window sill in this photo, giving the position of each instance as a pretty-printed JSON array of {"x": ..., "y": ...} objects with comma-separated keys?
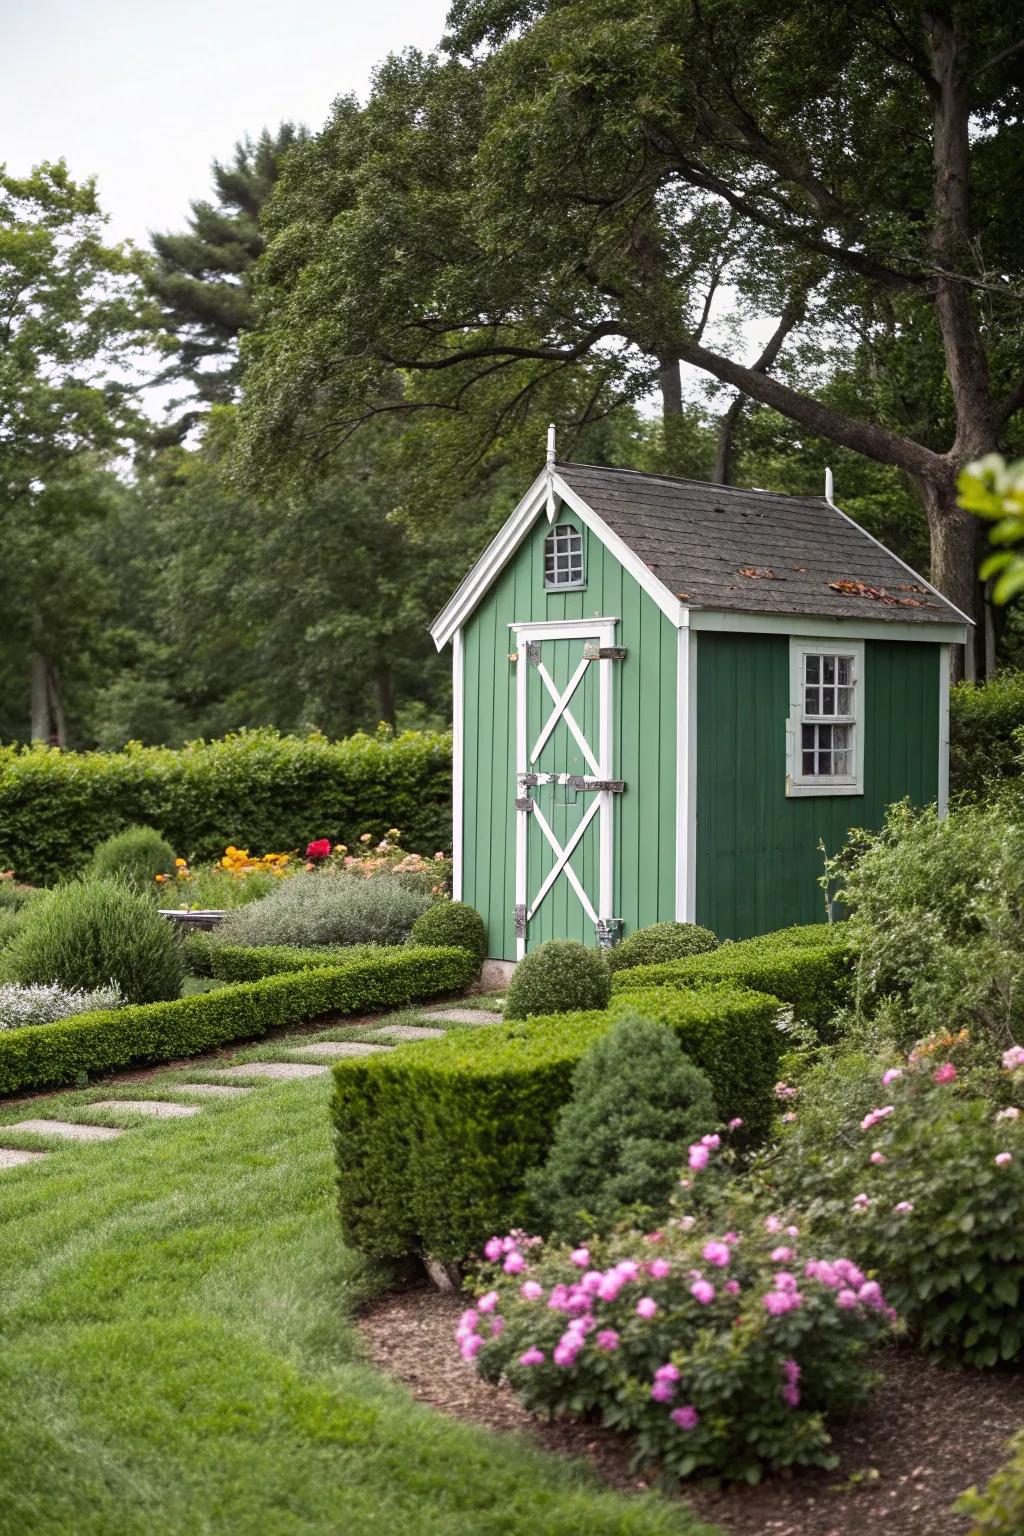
[{"x": 802, "y": 791}]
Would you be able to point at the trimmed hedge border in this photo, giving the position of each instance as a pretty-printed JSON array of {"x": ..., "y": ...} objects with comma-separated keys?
[
  {"x": 52, "y": 1055},
  {"x": 810, "y": 969},
  {"x": 252, "y": 962},
  {"x": 433, "y": 1141}
]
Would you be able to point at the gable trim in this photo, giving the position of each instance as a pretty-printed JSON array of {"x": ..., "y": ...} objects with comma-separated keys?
[{"x": 642, "y": 574}]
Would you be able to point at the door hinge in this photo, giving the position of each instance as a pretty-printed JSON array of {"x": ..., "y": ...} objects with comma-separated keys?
[
  {"x": 609, "y": 932},
  {"x": 581, "y": 781},
  {"x": 533, "y": 653},
  {"x": 524, "y": 804},
  {"x": 520, "y": 916},
  {"x": 593, "y": 652}
]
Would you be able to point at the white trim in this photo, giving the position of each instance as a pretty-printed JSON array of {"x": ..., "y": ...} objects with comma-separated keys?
[
  {"x": 686, "y": 777},
  {"x": 814, "y": 626},
  {"x": 498, "y": 552},
  {"x": 564, "y": 629},
  {"x": 797, "y": 784},
  {"x": 606, "y": 755},
  {"x": 563, "y": 855},
  {"x": 630, "y": 561},
  {"x": 561, "y": 711},
  {"x": 522, "y": 829},
  {"x": 943, "y": 795},
  {"x": 458, "y": 754}
]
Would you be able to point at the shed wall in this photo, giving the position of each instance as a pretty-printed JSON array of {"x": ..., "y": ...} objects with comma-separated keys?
[
  {"x": 644, "y": 731},
  {"x": 758, "y": 859}
]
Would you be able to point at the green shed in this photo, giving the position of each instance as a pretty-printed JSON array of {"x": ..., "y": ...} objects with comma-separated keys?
[{"x": 668, "y": 694}]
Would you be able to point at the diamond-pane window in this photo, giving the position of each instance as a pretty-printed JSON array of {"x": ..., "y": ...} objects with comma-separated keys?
[{"x": 563, "y": 557}]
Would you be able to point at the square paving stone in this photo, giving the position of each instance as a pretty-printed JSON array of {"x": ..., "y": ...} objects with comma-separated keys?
[
  {"x": 160, "y": 1109},
  {"x": 210, "y": 1090},
  {"x": 408, "y": 1032},
  {"x": 67, "y": 1131},
  {"x": 339, "y": 1048},
  {"x": 466, "y": 1015},
  {"x": 275, "y": 1069},
  {"x": 11, "y": 1157}
]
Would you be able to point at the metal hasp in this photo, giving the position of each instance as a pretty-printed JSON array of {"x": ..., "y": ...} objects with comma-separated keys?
[
  {"x": 524, "y": 804},
  {"x": 609, "y": 932},
  {"x": 520, "y": 916},
  {"x": 581, "y": 781},
  {"x": 604, "y": 653}
]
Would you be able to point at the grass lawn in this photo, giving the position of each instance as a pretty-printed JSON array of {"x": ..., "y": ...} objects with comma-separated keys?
[{"x": 177, "y": 1354}]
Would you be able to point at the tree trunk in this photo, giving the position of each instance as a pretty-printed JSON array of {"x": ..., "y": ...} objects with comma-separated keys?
[
  {"x": 385, "y": 694},
  {"x": 40, "y": 690},
  {"x": 957, "y": 539},
  {"x": 671, "y": 385},
  {"x": 59, "y": 733}
]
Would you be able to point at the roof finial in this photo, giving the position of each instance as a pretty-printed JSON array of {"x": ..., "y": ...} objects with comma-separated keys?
[
  {"x": 828, "y": 486},
  {"x": 551, "y": 443}
]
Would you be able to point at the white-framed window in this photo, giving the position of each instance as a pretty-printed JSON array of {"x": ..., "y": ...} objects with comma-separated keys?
[
  {"x": 563, "y": 558},
  {"x": 825, "y": 729}
]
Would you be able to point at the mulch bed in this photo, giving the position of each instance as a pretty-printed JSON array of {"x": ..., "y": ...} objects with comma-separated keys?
[{"x": 926, "y": 1435}]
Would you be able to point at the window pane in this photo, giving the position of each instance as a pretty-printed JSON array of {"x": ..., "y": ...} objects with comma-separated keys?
[
  {"x": 841, "y": 764},
  {"x": 812, "y": 664},
  {"x": 808, "y": 768},
  {"x": 828, "y": 669},
  {"x": 807, "y": 738},
  {"x": 810, "y": 701},
  {"x": 844, "y": 701},
  {"x": 843, "y": 674},
  {"x": 825, "y": 737},
  {"x": 828, "y": 701},
  {"x": 825, "y": 764},
  {"x": 840, "y": 737}
]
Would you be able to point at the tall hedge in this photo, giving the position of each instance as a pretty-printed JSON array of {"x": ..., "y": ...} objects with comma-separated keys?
[
  {"x": 257, "y": 789},
  {"x": 986, "y": 732}
]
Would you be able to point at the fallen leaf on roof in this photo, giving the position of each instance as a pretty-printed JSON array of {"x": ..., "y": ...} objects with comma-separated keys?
[
  {"x": 911, "y": 586},
  {"x": 763, "y": 573},
  {"x": 880, "y": 595},
  {"x": 798, "y": 567}
]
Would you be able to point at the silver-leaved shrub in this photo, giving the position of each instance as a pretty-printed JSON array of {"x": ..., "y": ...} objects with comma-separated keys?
[{"x": 48, "y": 1002}]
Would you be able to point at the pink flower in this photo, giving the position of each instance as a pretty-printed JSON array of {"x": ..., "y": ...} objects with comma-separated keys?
[
  {"x": 849, "y": 1272},
  {"x": 861, "y": 1202},
  {"x": 846, "y": 1299},
  {"x": 627, "y": 1268},
  {"x": 663, "y": 1391},
  {"x": 514, "y": 1263},
  {"x": 784, "y": 1091},
  {"x": 703, "y": 1291},
  {"x": 1013, "y": 1058},
  {"x": 565, "y": 1352},
  {"x": 873, "y": 1117},
  {"x": 493, "y": 1249},
  {"x": 532, "y": 1356},
  {"x": 792, "y": 1231},
  {"x": 733, "y": 1287},
  {"x": 780, "y": 1302},
  {"x": 686, "y": 1222},
  {"x": 653, "y": 1237},
  {"x": 784, "y": 1281},
  {"x": 782, "y": 1255},
  {"x": 891, "y": 1075},
  {"x": 698, "y": 1157},
  {"x": 735, "y": 1124},
  {"x": 944, "y": 1074},
  {"x": 497, "y": 1327},
  {"x": 904, "y": 1208},
  {"x": 468, "y": 1320},
  {"x": 790, "y": 1395},
  {"x": 608, "y": 1340},
  {"x": 531, "y": 1291},
  {"x": 659, "y": 1269},
  {"x": 870, "y": 1294},
  {"x": 580, "y": 1257},
  {"x": 712, "y": 1142},
  {"x": 591, "y": 1281},
  {"x": 878, "y": 1158},
  {"x": 667, "y": 1372},
  {"x": 646, "y": 1307},
  {"x": 732, "y": 1238},
  {"x": 789, "y": 1117},
  {"x": 717, "y": 1254},
  {"x": 791, "y": 1371},
  {"x": 686, "y": 1417},
  {"x": 772, "y": 1224},
  {"x": 610, "y": 1286},
  {"x": 470, "y": 1346},
  {"x": 489, "y": 1302},
  {"x": 1002, "y": 1158},
  {"x": 1011, "y": 1112}
]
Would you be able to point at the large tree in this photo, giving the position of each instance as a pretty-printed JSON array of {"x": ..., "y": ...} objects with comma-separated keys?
[{"x": 577, "y": 181}]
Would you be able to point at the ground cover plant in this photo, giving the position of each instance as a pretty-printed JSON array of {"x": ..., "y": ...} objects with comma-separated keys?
[
  {"x": 96, "y": 933},
  {"x": 179, "y": 1355},
  {"x": 556, "y": 977},
  {"x": 47, "y": 1002},
  {"x": 998, "y": 1508}
]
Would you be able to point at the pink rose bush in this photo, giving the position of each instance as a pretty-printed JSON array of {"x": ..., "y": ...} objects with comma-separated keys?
[{"x": 707, "y": 1352}]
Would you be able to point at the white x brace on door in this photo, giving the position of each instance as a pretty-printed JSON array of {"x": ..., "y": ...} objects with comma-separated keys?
[{"x": 549, "y": 713}]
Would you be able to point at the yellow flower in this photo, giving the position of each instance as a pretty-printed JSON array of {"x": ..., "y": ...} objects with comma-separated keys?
[
  {"x": 160, "y": 879},
  {"x": 367, "y": 837},
  {"x": 393, "y": 833},
  {"x": 181, "y": 863}
]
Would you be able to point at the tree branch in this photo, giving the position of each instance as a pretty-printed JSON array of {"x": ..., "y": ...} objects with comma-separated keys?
[{"x": 791, "y": 316}]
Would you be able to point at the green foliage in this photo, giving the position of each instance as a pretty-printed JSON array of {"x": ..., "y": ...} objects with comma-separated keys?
[
  {"x": 935, "y": 1215},
  {"x": 661, "y": 942},
  {"x": 239, "y": 962},
  {"x": 935, "y": 917},
  {"x": 998, "y": 1509},
  {"x": 985, "y": 725},
  {"x": 315, "y": 909},
  {"x": 558, "y": 977},
  {"x": 621, "y": 1139},
  {"x": 138, "y": 854},
  {"x": 995, "y": 490},
  {"x": 808, "y": 968},
  {"x": 452, "y": 922},
  {"x": 10, "y": 922},
  {"x": 51, "y": 1054},
  {"x": 14, "y": 895},
  {"x": 754, "y": 1386},
  {"x": 91, "y": 934},
  {"x": 433, "y": 1146},
  {"x": 256, "y": 789}
]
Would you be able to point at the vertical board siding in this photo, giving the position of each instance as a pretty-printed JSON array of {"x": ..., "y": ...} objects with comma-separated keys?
[
  {"x": 758, "y": 859},
  {"x": 643, "y": 732}
]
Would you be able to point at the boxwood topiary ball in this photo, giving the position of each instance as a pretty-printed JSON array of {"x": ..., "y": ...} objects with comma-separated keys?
[
  {"x": 558, "y": 977},
  {"x": 661, "y": 942},
  {"x": 452, "y": 923}
]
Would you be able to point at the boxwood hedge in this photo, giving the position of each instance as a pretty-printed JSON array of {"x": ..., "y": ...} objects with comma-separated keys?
[
  {"x": 433, "y": 1141},
  {"x": 50, "y": 1055},
  {"x": 256, "y": 789},
  {"x": 243, "y": 962}
]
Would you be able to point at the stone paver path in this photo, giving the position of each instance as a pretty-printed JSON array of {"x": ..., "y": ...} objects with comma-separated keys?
[
  {"x": 209, "y": 1090},
  {"x": 465, "y": 1015},
  {"x": 408, "y": 1032},
  {"x": 10, "y": 1157},
  {"x": 338, "y": 1048},
  {"x": 160, "y": 1109},
  {"x": 66, "y": 1130},
  {"x": 277, "y": 1069}
]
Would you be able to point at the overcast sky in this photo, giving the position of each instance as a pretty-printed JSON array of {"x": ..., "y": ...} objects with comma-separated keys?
[{"x": 143, "y": 96}]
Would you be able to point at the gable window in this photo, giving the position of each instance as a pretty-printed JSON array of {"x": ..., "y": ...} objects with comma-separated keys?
[
  {"x": 825, "y": 730},
  {"x": 563, "y": 557}
]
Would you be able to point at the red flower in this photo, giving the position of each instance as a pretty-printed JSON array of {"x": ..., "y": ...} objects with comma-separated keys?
[{"x": 318, "y": 850}]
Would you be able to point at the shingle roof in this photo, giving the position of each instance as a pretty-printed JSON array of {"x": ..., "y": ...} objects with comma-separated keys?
[{"x": 719, "y": 547}]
